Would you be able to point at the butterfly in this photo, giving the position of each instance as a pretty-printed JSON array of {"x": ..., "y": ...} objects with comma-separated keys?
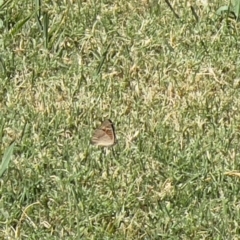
[{"x": 104, "y": 136}]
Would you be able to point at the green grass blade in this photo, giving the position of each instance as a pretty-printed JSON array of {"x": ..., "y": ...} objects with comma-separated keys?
[
  {"x": 222, "y": 9},
  {"x": 237, "y": 8},
  {"x": 45, "y": 29},
  {"x": 20, "y": 24},
  {"x": 6, "y": 159},
  {"x": 104, "y": 55},
  {"x": 4, "y": 4}
]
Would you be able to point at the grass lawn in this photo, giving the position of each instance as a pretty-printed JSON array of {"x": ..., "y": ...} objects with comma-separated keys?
[{"x": 169, "y": 79}]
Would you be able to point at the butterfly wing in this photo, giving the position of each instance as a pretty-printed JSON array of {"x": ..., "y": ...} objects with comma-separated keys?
[{"x": 104, "y": 136}]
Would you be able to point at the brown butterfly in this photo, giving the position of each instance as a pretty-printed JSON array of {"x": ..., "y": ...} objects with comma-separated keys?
[{"x": 104, "y": 136}]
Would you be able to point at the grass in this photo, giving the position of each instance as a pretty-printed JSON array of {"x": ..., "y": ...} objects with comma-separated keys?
[{"x": 170, "y": 83}]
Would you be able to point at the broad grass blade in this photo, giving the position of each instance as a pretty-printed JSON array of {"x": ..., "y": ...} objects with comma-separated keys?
[{"x": 6, "y": 159}]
